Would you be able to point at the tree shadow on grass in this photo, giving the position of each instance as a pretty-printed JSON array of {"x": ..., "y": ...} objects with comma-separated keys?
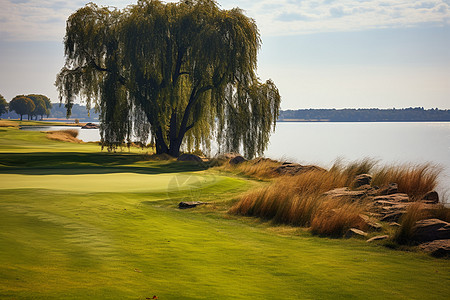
[{"x": 75, "y": 163}]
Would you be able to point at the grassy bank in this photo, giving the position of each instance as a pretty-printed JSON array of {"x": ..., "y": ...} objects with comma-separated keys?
[
  {"x": 77, "y": 223},
  {"x": 303, "y": 200}
]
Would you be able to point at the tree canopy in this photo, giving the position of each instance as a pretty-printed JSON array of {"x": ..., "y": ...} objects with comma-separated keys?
[
  {"x": 22, "y": 106},
  {"x": 42, "y": 104},
  {"x": 3, "y": 105},
  {"x": 182, "y": 73}
]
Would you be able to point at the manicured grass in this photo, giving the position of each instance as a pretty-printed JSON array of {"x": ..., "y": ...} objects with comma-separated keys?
[{"x": 106, "y": 226}]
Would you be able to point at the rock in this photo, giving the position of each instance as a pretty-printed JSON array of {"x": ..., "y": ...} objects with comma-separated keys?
[
  {"x": 90, "y": 126},
  {"x": 293, "y": 169},
  {"x": 237, "y": 160},
  {"x": 360, "y": 180},
  {"x": 227, "y": 156},
  {"x": 345, "y": 192},
  {"x": 353, "y": 232},
  {"x": 184, "y": 205},
  {"x": 430, "y": 230},
  {"x": 189, "y": 157},
  {"x": 431, "y": 197},
  {"x": 367, "y": 188},
  {"x": 391, "y": 188},
  {"x": 261, "y": 160},
  {"x": 391, "y": 207},
  {"x": 378, "y": 238},
  {"x": 393, "y": 198},
  {"x": 437, "y": 248},
  {"x": 393, "y": 216},
  {"x": 374, "y": 226}
]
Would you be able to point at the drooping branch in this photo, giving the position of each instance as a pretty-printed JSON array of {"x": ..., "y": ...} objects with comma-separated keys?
[{"x": 183, "y": 70}]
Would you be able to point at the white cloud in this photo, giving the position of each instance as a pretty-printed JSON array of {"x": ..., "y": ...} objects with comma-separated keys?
[
  {"x": 42, "y": 20},
  {"x": 45, "y": 20},
  {"x": 347, "y": 15}
]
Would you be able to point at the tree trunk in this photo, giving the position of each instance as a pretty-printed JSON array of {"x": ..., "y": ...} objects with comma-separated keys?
[
  {"x": 175, "y": 146},
  {"x": 161, "y": 146},
  {"x": 21, "y": 117}
]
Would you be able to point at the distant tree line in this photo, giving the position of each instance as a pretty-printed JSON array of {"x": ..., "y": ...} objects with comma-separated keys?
[
  {"x": 33, "y": 105},
  {"x": 78, "y": 112},
  {"x": 417, "y": 114},
  {"x": 36, "y": 107}
]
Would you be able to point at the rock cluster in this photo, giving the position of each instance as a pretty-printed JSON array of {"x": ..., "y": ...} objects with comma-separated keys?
[
  {"x": 184, "y": 205},
  {"x": 238, "y": 159},
  {"x": 388, "y": 205},
  {"x": 91, "y": 126},
  {"x": 293, "y": 169},
  {"x": 189, "y": 157}
]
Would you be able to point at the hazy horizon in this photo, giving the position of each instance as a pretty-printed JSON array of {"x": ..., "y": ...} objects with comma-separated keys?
[{"x": 320, "y": 54}]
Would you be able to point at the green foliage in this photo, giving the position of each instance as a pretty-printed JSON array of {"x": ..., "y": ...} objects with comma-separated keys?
[
  {"x": 3, "y": 105},
  {"x": 42, "y": 104},
  {"x": 180, "y": 72},
  {"x": 22, "y": 105}
]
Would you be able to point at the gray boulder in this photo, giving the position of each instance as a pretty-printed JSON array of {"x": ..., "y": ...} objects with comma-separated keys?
[
  {"x": 389, "y": 189},
  {"x": 431, "y": 197},
  {"x": 189, "y": 157},
  {"x": 345, "y": 192},
  {"x": 184, "y": 205},
  {"x": 437, "y": 248},
  {"x": 353, "y": 232},
  {"x": 361, "y": 180},
  {"x": 378, "y": 238},
  {"x": 90, "y": 126},
  {"x": 293, "y": 169},
  {"x": 237, "y": 160},
  {"x": 371, "y": 225},
  {"x": 430, "y": 229}
]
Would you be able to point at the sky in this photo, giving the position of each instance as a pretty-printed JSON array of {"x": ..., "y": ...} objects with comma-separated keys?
[{"x": 320, "y": 54}]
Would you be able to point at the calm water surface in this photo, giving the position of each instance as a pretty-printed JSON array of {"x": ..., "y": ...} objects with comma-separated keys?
[
  {"x": 86, "y": 135},
  {"x": 391, "y": 143}
]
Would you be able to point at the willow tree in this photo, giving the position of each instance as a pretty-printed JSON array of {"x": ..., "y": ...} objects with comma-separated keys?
[{"x": 183, "y": 73}]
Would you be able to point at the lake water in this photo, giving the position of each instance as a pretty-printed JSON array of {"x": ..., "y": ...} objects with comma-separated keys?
[
  {"x": 322, "y": 143},
  {"x": 391, "y": 143},
  {"x": 86, "y": 135}
]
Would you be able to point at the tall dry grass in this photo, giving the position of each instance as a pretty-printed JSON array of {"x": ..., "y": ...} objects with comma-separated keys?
[
  {"x": 6, "y": 123},
  {"x": 67, "y": 135},
  {"x": 353, "y": 169},
  {"x": 335, "y": 217},
  {"x": 299, "y": 200},
  {"x": 260, "y": 168},
  {"x": 414, "y": 213},
  {"x": 291, "y": 200},
  {"x": 418, "y": 211},
  {"x": 414, "y": 180}
]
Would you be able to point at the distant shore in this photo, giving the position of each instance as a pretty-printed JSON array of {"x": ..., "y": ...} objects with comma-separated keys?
[{"x": 351, "y": 121}]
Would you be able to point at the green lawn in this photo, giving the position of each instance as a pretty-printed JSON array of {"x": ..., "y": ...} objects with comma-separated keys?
[{"x": 76, "y": 223}]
